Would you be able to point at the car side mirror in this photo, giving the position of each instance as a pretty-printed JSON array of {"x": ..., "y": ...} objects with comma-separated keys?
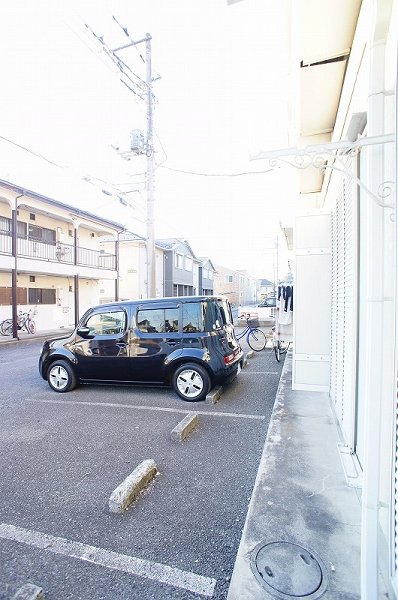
[{"x": 84, "y": 332}]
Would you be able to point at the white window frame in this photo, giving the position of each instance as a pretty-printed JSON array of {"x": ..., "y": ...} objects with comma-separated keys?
[{"x": 188, "y": 263}]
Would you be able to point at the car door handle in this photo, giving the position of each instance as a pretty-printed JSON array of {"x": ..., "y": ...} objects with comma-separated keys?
[
  {"x": 121, "y": 344},
  {"x": 171, "y": 343}
]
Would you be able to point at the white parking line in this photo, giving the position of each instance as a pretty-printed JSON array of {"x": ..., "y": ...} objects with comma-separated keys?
[
  {"x": 246, "y": 372},
  {"x": 111, "y": 560},
  {"x": 154, "y": 408}
]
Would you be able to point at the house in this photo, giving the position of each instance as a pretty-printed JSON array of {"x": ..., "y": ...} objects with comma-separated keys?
[
  {"x": 206, "y": 277},
  {"x": 181, "y": 268},
  {"x": 264, "y": 287},
  {"x": 50, "y": 257},
  {"x": 239, "y": 286},
  {"x": 132, "y": 268},
  {"x": 344, "y": 65}
]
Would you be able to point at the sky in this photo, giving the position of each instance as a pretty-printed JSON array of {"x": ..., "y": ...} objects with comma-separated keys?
[{"x": 221, "y": 96}]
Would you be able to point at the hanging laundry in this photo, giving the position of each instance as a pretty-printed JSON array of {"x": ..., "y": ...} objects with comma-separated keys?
[{"x": 285, "y": 304}]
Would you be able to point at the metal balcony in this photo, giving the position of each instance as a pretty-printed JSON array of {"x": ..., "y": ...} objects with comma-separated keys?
[{"x": 58, "y": 252}]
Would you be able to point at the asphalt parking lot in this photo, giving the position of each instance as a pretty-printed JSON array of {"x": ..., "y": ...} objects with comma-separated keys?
[{"x": 61, "y": 456}]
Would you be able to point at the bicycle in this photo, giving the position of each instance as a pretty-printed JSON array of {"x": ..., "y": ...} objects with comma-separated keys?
[
  {"x": 280, "y": 346},
  {"x": 255, "y": 338},
  {"x": 24, "y": 321}
]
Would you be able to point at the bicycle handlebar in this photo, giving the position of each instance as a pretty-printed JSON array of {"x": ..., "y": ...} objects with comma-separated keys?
[{"x": 244, "y": 316}]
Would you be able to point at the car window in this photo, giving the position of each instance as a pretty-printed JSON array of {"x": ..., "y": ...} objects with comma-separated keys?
[
  {"x": 171, "y": 316},
  {"x": 193, "y": 317},
  {"x": 225, "y": 313},
  {"x": 107, "y": 323},
  {"x": 158, "y": 320},
  {"x": 217, "y": 314}
]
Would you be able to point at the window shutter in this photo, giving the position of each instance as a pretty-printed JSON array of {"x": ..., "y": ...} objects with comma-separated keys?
[{"x": 344, "y": 307}]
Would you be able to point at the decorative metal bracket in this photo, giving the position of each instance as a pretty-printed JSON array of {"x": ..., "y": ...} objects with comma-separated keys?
[{"x": 329, "y": 156}]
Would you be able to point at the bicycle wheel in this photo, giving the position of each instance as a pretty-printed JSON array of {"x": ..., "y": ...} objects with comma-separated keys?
[
  {"x": 277, "y": 350},
  {"x": 256, "y": 340},
  {"x": 284, "y": 349},
  {"x": 6, "y": 327},
  {"x": 30, "y": 326}
]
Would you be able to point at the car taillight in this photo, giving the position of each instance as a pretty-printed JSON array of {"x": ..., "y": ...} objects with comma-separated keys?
[{"x": 228, "y": 359}]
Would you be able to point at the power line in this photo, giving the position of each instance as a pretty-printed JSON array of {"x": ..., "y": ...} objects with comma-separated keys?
[
  {"x": 139, "y": 84},
  {"x": 83, "y": 39},
  {"x": 126, "y": 33},
  {"x": 32, "y": 152},
  {"x": 216, "y": 174},
  {"x": 91, "y": 179},
  {"x": 162, "y": 147}
]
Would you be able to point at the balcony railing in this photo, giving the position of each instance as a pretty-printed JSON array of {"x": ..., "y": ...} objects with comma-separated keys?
[
  {"x": 93, "y": 258},
  {"x": 5, "y": 243},
  {"x": 53, "y": 252},
  {"x": 58, "y": 252}
]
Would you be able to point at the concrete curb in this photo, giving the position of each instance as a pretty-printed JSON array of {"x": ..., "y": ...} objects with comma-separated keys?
[
  {"x": 130, "y": 488},
  {"x": 213, "y": 396},
  {"x": 29, "y": 592},
  {"x": 239, "y": 579},
  {"x": 184, "y": 428},
  {"x": 35, "y": 337}
]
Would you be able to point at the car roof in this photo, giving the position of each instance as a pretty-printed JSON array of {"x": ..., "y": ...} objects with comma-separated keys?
[{"x": 166, "y": 300}]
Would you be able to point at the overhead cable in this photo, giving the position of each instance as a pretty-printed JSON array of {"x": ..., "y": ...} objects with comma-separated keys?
[{"x": 216, "y": 174}]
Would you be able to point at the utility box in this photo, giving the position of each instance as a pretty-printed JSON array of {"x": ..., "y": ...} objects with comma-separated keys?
[{"x": 137, "y": 141}]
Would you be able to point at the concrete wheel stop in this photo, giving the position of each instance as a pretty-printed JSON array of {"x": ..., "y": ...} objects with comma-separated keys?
[
  {"x": 214, "y": 395},
  {"x": 132, "y": 486},
  {"x": 184, "y": 428},
  {"x": 29, "y": 591}
]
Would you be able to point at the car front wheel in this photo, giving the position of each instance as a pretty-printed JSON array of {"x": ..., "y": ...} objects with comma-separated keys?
[
  {"x": 191, "y": 382},
  {"x": 61, "y": 377}
]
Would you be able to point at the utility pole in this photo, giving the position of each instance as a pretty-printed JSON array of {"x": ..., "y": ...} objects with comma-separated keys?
[
  {"x": 150, "y": 179},
  {"x": 150, "y": 170}
]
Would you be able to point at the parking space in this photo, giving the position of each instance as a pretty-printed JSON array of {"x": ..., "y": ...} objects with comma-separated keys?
[{"x": 63, "y": 454}]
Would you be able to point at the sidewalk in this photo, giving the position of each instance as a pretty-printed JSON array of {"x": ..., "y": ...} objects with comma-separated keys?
[
  {"x": 24, "y": 336},
  {"x": 301, "y": 502}
]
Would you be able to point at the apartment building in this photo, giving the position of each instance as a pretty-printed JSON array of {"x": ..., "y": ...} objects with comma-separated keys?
[
  {"x": 238, "y": 286},
  {"x": 51, "y": 261},
  {"x": 346, "y": 252}
]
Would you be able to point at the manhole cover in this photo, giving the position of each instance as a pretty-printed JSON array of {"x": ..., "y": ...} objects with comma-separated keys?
[{"x": 288, "y": 570}]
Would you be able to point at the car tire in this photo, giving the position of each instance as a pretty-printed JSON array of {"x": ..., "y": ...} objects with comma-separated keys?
[
  {"x": 61, "y": 376},
  {"x": 191, "y": 382}
]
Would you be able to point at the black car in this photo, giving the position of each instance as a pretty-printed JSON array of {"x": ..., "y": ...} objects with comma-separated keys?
[{"x": 186, "y": 342}]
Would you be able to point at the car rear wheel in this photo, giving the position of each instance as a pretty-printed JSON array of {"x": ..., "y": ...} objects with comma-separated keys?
[
  {"x": 191, "y": 382},
  {"x": 61, "y": 376}
]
